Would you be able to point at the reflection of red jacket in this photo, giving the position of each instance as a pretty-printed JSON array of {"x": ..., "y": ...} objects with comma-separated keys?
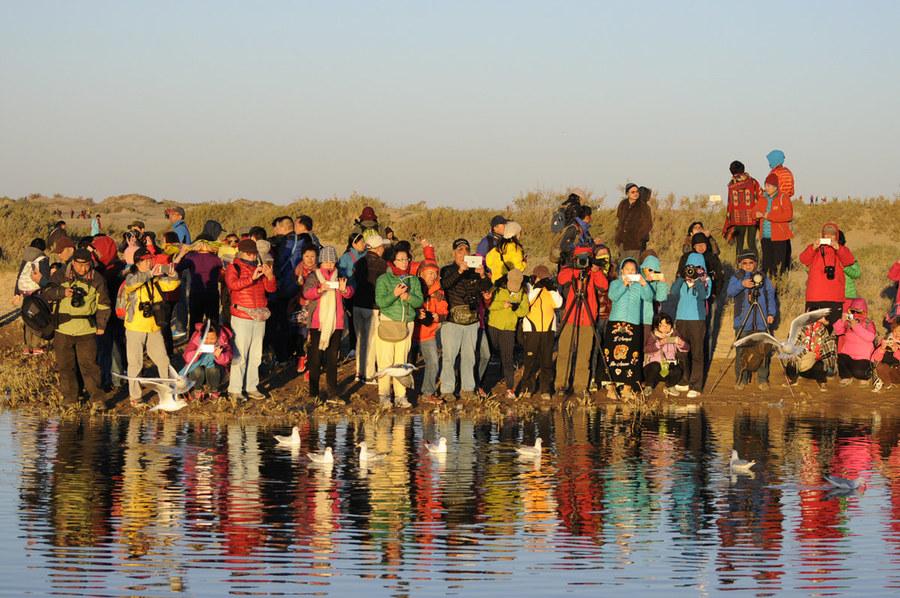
[
  {"x": 743, "y": 202},
  {"x": 818, "y": 286},
  {"x": 245, "y": 291}
]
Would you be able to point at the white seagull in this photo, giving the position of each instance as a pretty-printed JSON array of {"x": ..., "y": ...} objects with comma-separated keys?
[
  {"x": 366, "y": 457},
  {"x": 437, "y": 449},
  {"x": 843, "y": 483},
  {"x": 289, "y": 441},
  {"x": 324, "y": 458},
  {"x": 788, "y": 349},
  {"x": 169, "y": 390},
  {"x": 738, "y": 465},
  {"x": 531, "y": 452},
  {"x": 401, "y": 372}
]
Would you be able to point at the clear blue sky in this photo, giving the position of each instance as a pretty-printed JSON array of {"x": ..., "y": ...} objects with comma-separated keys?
[{"x": 462, "y": 103}]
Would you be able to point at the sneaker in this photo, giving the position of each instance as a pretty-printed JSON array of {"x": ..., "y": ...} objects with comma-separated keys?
[
  {"x": 845, "y": 381},
  {"x": 215, "y": 395},
  {"x": 545, "y": 396},
  {"x": 402, "y": 403},
  {"x": 301, "y": 364},
  {"x": 256, "y": 395},
  {"x": 671, "y": 392},
  {"x": 863, "y": 382},
  {"x": 823, "y": 388},
  {"x": 763, "y": 386},
  {"x": 384, "y": 402},
  {"x": 691, "y": 394},
  {"x": 682, "y": 387}
]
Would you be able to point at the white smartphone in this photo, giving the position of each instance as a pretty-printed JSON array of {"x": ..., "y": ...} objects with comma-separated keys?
[
  {"x": 473, "y": 261},
  {"x": 825, "y": 241},
  {"x": 633, "y": 277},
  {"x": 204, "y": 348},
  {"x": 333, "y": 284}
]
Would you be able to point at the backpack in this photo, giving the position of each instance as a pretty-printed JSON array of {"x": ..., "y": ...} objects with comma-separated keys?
[
  {"x": 24, "y": 284},
  {"x": 39, "y": 316},
  {"x": 558, "y": 222},
  {"x": 556, "y": 242}
]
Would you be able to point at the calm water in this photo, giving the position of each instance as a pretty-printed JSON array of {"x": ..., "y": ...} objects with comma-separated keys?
[{"x": 153, "y": 507}]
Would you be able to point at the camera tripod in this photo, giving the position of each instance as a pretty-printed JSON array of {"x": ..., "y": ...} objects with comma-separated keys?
[
  {"x": 579, "y": 305},
  {"x": 753, "y": 298}
]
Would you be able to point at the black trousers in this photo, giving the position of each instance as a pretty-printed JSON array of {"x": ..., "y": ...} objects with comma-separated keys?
[
  {"x": 693, "y": 331},
  {"x": 653, "y": 374},
  {"x": 538, "y": 347},
  {"x": 74, "y": 355},
  {"x": 278, "y": 330},
  {"x": 744, "y": 240},
  {"x": 504, "y": 341},
  {"x": 776, "y": 257},
  {"x": 330, "y": 363},
  {"x": 854, "y": 368},
  {"x": 203, "y": 304}
]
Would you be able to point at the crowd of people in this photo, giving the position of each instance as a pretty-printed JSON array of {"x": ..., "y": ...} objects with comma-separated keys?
[{"x": 607, "y": 317}]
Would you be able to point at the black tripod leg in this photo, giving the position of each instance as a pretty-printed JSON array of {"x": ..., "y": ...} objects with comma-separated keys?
[{"x": 740, "y": 332}]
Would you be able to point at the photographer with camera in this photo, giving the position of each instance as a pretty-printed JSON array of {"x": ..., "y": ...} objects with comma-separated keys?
[
  {"x": 538, "y": 332},
  {"x": 749, "y": 287},
  {"x": 692, "y": 288},
  {"x": 856, "y": 343},
  {"x": 82, "y": 311},
  {"x": 146, "y": 315},
  {"x": 886, "y": 359},
  {"x": 826, "y": 259}
]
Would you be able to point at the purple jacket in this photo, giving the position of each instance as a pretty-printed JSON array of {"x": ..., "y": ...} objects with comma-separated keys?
[
  {"x": 654, "y": 351},
  {"x": 205, "y": 269}
]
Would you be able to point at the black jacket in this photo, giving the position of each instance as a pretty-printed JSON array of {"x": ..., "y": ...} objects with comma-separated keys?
[
  {"x": 366, "y": 272},
  {"x": 463, "y": 288}
]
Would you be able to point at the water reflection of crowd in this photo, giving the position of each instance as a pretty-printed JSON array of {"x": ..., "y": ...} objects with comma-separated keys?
[{"x": 613, "y": 480}]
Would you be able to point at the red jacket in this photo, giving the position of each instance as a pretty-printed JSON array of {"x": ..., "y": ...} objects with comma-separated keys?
[
  {"x": 596, "y": 282},
  {"x": 743, "y": 202},
  {"x": 436, "y": 303},
  {"x": 245, "y": 291},
  {"x": 780, "y": 216},
  {"x": 785, "y": 181},
  {"x": 818, "y": 286}
]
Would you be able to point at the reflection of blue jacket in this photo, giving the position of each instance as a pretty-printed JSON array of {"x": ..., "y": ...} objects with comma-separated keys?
[
  {"x": 660, "y": 288},
  {"x": 742, "y": 302},
  {"x": 692, "y": 299}
]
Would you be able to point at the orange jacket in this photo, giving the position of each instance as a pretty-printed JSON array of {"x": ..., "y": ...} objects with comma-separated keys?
[
  {"x": 780, "y": 216},
  {"x": 437, "y": 305}
]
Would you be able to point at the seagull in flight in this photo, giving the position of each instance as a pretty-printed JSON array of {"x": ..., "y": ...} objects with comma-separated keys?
[{"x": 787, "y": 349}]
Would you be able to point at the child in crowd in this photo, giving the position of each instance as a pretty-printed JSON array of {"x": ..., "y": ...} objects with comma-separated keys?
[
  {"x": 661, "y": 359},
  {"x": 428, "y": 322},
  {"x": 692, "y": 288},
  {"x": 856, "y": 336},
  {"x": 687, "y": 246},
  {"x": 886, "y": 359},
  {"x": 819, "y": 355},
  {"x": 207, "y": 359}
]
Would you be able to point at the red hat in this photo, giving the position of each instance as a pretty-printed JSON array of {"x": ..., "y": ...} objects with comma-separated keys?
[
  {"x": 368, "y": 213},
  {"x": 772, "y": 179}
]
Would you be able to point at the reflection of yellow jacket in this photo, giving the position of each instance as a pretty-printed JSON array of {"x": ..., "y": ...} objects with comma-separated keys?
[
  {"x": 504, "y": 257},
  {"x": 140, "y": 288}
]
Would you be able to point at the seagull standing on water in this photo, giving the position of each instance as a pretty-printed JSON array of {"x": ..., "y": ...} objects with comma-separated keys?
[
  {"x": 324, "y": 458},
  {"x": 437, "y": 449},
  {"x": 531, "y": 452},
  {"x": 738, "y": 465},
  {"x": 843, "y": 483},
  {"x": 366, "y": 457},
  {"x": 292, "y": 441}
]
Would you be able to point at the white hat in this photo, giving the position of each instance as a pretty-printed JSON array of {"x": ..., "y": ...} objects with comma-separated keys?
[
  {"x": 512, "y": 229},
  {"x": 374, "y": 241}
]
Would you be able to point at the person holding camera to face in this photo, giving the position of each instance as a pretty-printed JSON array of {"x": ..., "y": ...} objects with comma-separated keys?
[
  {"x": 826, "y": 259},
  {"x": 856, "y": 343},
  {"x": 749, "y": 286},
  {"x": 83, "y": 309},
  {"x": 692, "y": 288},
  {"x": 145, "y": 316},
  {"x": 623, "y": 343},
  {"x": 886, "y": 359}
]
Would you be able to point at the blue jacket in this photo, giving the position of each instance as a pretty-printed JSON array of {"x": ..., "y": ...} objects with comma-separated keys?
[
  {"x": 181, "y": 229},
  {"x": 742, "y": 302},
  {"x": 692, "y": 299},
  {"x": 628, "y": 302},
  {"x": 348, "y": 261},
  {"x": 660, "y": 289}
]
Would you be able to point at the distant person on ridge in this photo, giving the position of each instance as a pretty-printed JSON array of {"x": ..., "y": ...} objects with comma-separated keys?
[{"x": 635, "y": 221}]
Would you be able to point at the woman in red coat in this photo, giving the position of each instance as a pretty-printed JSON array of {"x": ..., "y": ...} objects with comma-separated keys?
[{"x": 825, "y": 259}]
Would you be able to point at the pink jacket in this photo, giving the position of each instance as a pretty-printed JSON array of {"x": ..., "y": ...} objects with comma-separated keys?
[
  {"x": 224, "y": 341},
  {"x": 856, "y": 342},
  {"x": 894, "y": 274},
  {"x": 654, "y": 351},
  {"x": 311, "y": 292}
]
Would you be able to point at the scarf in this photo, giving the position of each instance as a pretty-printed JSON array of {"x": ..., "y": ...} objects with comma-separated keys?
[
  {"x": 401, "y": 272},
  {"x": 327, "y": 311}
]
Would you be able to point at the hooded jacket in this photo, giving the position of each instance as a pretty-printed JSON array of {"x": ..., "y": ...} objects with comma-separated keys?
[
  {"x": 627, "y": 301},
  {"x": 433, "y": 302},
  {"x": 743, "y": 201},
  {"x": 851, "y": 275},
  {"x": 92, "y": 315},
  {"x": 857, "y": 341},
  {"x": 692, "y": 298},
  {"x": 223, "y": 341},
  {"x": 635, "y": 222},
  {"x": 211, "y": 231},
  {"x": 660, "y": 288},
  {"x": 506, "y": 318},
  {"x": 505, "y": 256},
  {"x": 818, "y": 286}
]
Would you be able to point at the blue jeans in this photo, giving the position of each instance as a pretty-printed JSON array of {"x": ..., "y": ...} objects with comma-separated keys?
[
  {"x": 430, "y": 355},
  {"x": 458, "y": 340}
]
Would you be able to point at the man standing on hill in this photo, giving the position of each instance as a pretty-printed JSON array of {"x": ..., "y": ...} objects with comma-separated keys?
[
  {"x": 635, "y": 222},
  {"x": 741, "y": 222},
  {"x": 176, "y": 217}
]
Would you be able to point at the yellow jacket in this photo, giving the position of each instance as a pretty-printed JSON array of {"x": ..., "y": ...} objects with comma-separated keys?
[
  {"x": 142, "y": 287},
  {"x": 500, "y": 262}
]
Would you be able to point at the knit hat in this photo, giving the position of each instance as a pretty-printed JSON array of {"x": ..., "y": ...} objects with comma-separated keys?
[
  {"x": 459, "y": 243},
  {"x": 514, "y": 280},
  {"x": 512, "y": 229},
  {"x": 772, "y": 179},
  {"x": 264, "y": 248},
  {"x": 699, "y": 238},
  {"x": 830, "y": 227},
  {"x": 63, "y": 242},
  {"x": 540, "y": 272},
  {"x": 368, "y": 213},
  {"x": 328, "y": 254},
  {"x": 628, "y": 187},
  {"x": 775, "y": 158},
  {"x": 82, "y": 255},
  {"x": 374, "y": 240},
  {"x": 247, "y": 246},
  {"x": 497, "y": 220},
  {"x": 736, "y": 167}
]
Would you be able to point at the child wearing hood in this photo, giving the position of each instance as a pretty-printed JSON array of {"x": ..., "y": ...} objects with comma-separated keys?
[
  {"x": 775, "y": 212},
  {"x": 508, "y": 305},
  {"x": 856, "y": 337},
  {"x": 692, "y": 288},
  {"x": 652, "y": 273},
  {"x": 886, "y": 359},
  {"x": 207, "y": 359},
  {"x": 428, "y": 321},
  {"x": 661, "y": 355},
  {"x": 825, "y": 260},
  {"x": 623, "y": 344}
]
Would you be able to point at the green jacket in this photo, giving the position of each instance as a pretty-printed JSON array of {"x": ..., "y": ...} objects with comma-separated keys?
[
  {"x": 92, "y": 315},
  {"x": 502, "y": 317},
  {"x": 851, "y": 275},
  {"x": 390, "y": 305}
]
